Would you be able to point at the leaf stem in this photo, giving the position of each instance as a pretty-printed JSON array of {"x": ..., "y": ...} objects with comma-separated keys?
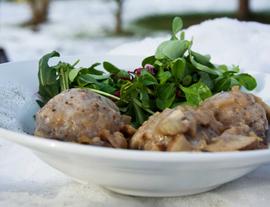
[
  {"x": 74, "y": 64},
  {"x": 63, "y": 76},
  {"x": 104, "y": 93}
]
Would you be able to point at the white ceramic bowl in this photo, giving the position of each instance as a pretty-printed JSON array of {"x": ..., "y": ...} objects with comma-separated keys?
[{"x": 129, "y": 172}]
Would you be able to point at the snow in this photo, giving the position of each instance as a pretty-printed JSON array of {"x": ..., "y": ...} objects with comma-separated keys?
[
  {"x": 228, "y": 42},
  {"x": 80, "y": 27}
]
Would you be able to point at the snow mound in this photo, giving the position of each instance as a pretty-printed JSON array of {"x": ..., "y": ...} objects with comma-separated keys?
[{"x": 228, "y": 41}]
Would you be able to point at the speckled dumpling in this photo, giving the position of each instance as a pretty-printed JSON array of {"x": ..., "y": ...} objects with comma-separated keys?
[{"x": 79, "y": 115}]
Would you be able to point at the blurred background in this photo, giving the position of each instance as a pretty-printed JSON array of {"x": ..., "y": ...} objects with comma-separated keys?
[{"x": 30, "y": 28}]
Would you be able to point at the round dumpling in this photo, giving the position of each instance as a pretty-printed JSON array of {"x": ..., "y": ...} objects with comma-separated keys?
[{"x": 79, "y": 115}]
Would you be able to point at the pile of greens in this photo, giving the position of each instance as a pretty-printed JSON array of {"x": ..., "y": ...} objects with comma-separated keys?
[{"x": 174, "y": 75}]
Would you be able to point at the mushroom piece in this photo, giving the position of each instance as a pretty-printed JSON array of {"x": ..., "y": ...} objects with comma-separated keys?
[{"x": 227, "y": 121}]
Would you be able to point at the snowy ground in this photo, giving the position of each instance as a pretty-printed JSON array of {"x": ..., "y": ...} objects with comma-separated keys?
[{"x": 79, "y": 27}]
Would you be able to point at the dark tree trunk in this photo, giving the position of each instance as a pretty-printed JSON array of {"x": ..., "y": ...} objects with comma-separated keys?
[
  {"x": 243, "y": 10},
  {"x": 118, "y": 16},
  {"x": 39, "y": 10}
]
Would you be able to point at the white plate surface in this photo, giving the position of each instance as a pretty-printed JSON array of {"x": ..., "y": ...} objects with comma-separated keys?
[{"x": 130, "y": 172}]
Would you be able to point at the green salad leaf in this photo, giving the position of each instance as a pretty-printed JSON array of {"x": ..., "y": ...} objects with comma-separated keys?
[
  {"x": 178, "y": 69},
  {"x": 177, "y": 25},
  {"x": 172, "y": 49},
  {"x": 47, "y": 74},
  {"x": 196, "y": 93}
]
